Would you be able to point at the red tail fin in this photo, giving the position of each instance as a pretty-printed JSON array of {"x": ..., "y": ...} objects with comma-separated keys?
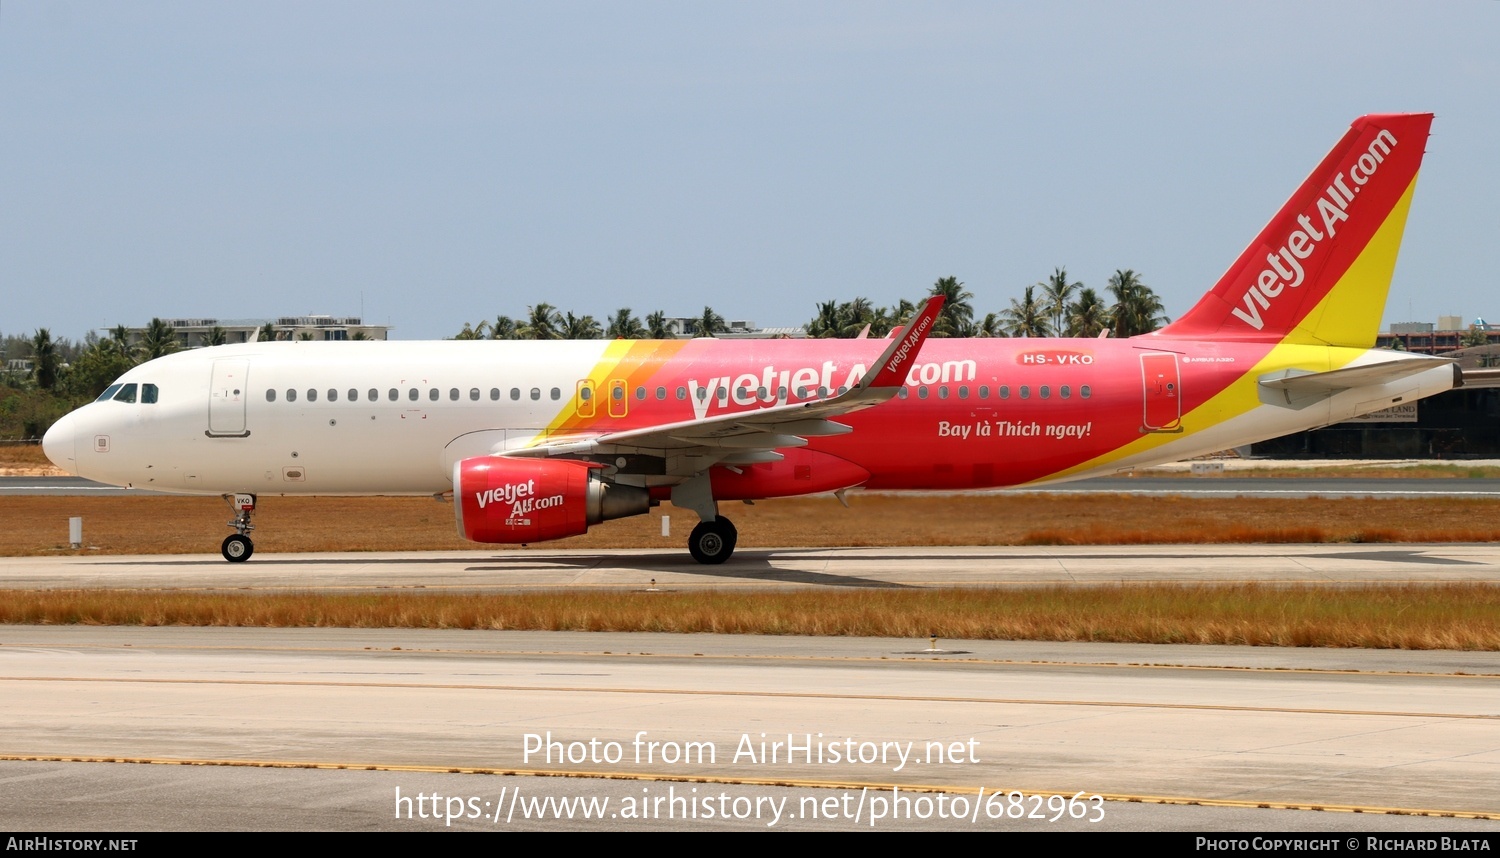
[{"x": 1320, "y": 270}]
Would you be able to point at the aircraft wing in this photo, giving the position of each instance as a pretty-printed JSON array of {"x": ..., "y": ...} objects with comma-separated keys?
[{"x": 763, "y": 429}]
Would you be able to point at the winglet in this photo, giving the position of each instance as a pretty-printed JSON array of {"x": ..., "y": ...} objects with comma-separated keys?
[{"x": 902, "y": 352}]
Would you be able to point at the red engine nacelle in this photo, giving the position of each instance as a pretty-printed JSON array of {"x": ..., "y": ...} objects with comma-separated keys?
[{"x": 532, "y": 500}]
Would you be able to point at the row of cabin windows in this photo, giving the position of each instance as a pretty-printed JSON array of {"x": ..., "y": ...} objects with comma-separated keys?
[
  {"x": 412, "y": 394},
  {"x": 617, "y": 393}
]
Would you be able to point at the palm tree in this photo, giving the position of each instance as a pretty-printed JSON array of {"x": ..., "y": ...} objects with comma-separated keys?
[
  {"x": 541, "y": 323},
  {"x": 1058, "y": 291},
  {"x": 956, "y": 318},
  {"x": 119, "y": 343},
  {"x": 826, "y": 323},
  {"x": 991, "y": 326},
  {"x": 217, "y": 336},
  {"x": 1026, "y": 317},
  {"x": 710, "y": 323},
  {"x": 580, "y": 327},
  {"x": 473, "y": 332},
  {"x": 160, "y": 339},
  {"x": 505, "y": 328},
  {"x": 1137, "y": 309},
  {"x": 625, "y": 326},
  {"x": 854, "y": 316},
  {"x": 267, "y": 333},
  {"x": 1087, "y": 317},
  {"x": 656, "y": 326},
  {"x": 44, "y": 359}
]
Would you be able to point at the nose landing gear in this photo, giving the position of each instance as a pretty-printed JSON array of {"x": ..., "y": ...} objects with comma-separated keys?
[{"x": 238, "y": 548}]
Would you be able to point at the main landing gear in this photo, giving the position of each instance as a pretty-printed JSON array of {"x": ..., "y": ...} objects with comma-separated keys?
[
  {"x": 238, "y": 548},
  {"x": 713, "y": 541}
]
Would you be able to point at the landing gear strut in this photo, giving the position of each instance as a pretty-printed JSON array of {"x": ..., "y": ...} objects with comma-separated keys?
[
  {"x": 713, "y": 541},
  {"x": 238, "y": 548}
]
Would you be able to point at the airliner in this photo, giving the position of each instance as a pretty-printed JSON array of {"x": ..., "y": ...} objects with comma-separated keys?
[{"x": 539, "y": 440}]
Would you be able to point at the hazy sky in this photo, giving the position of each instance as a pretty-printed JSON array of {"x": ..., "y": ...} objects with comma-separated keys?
[{"x": 433, "y": 163}]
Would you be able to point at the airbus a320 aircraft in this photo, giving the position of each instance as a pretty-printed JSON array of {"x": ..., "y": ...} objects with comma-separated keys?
[{"x": 540, "y": 440}]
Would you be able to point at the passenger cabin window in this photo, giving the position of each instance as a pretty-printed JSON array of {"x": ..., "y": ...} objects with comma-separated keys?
[
  {"x": 394, "y": 395},
  {"x": 291, "y": 394},
  {"x": 412, "y": 394},
  {"x": 473, "y": 394},
  {"x": 312, "y": 394},
  {"x": 536, "y": 394},
  {"x": 432, "y": 394},
  {"x": 353, "y": 395},
  {"x": 374, "y": 394},
  {"x": 270, "y": 396},
  {"x": 333, "y": 394},
  {"x": 1084, "y": 391},
  {"x": 494, "y": 394},
  {"x": 126, "y": 394}
]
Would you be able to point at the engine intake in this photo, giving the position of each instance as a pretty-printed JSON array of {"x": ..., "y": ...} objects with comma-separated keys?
[{"x": 532, "y": 500}]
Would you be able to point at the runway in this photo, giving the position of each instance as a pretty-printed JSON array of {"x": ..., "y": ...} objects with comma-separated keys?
[
  {"x": 991, "y": 566},
  {"x": 805, "y": 719},
  {"x": 1221, "y": 735}
]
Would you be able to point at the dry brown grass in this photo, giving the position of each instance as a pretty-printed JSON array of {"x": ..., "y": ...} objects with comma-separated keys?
[
  {"x": 1433, "y": 471},
  {"x": 26, "y": 460},
  {"x": 1449, "y": 616},
  {"x": 173, "y": 525},
  {"x": 22, "y": 455}
]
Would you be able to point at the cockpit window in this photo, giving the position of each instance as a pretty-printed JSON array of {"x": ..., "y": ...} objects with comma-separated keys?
[
  {"x": 126, "y": 394},
  {"x": 109, "y": 393},
  {"x": 148, "y": 394}
]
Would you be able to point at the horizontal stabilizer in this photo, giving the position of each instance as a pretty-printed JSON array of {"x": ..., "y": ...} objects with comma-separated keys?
[{"x": 1295, "y": 381}]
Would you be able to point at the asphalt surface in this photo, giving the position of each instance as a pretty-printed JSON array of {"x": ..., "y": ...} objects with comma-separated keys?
[{"x": 329, "y": 728}]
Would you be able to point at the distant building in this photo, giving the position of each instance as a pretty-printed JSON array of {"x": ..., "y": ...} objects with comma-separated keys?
[
  {"x": 683, "y": 327},
  {"x": 1425, "y": 337},
  {"x": 194, "y": 333}
]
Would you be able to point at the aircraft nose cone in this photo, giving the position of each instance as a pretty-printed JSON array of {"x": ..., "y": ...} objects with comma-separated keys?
[{"x": 61, "y": 444}]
